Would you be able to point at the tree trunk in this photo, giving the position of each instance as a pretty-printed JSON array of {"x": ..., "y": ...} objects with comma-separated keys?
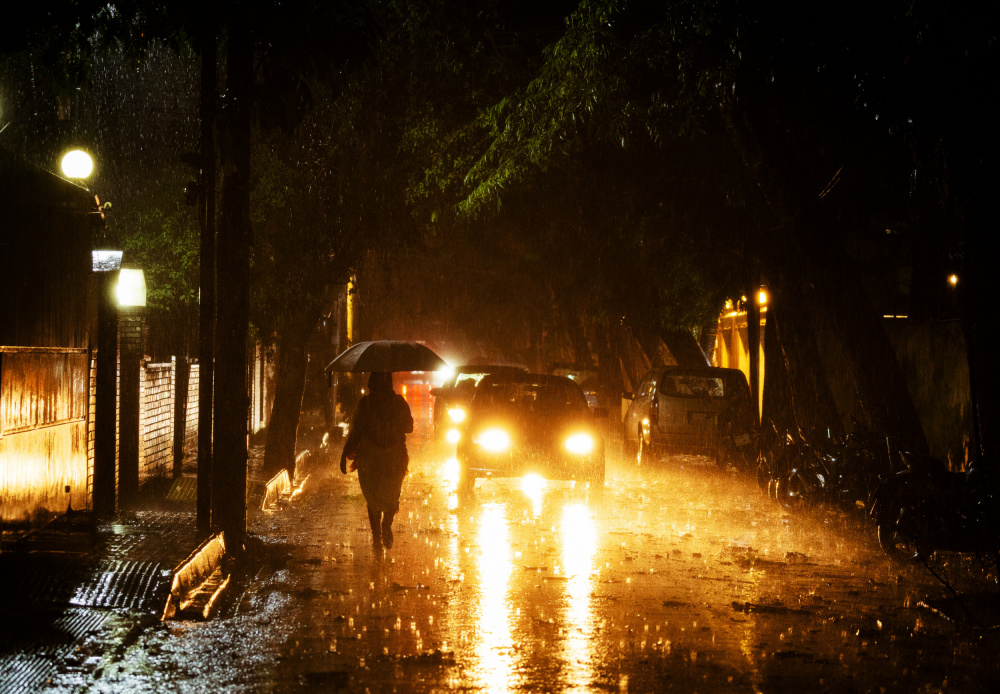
[
  {"x": 707, "y": 338},
  {"x": 977, "y": 289},
  {"x": 290, "y": 382},
  {"x": 229, "y": 469},
  {"x": 777, "y": 400},
  {"x": 813, "y": 404},
  {"x": 812, "y": 257},
  {"x": 206, "y": 305},
  {"x": 882, "y": 392}
]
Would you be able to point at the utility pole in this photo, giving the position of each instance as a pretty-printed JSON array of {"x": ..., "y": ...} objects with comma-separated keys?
[
  {"x": 206, "y": 311},
  {"x": 229, "y": 463}
]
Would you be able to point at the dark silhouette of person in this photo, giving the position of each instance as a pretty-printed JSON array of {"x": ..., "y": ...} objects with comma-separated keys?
[{"x": 376, "y": 444}]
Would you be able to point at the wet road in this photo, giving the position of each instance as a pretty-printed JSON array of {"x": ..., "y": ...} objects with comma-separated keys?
[{"x": 685, "y": 578}]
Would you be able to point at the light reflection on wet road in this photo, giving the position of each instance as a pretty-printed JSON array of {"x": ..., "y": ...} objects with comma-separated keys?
[{"x": 685, "y": 578}]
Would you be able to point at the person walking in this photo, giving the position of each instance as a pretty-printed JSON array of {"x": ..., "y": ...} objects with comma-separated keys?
[{"x": 376, "y": 445}]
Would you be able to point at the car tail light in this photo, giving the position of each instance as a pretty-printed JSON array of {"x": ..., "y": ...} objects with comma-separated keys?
[{"x": 654, "y": 411}]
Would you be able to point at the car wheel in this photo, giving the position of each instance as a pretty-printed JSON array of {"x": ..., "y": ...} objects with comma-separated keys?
[
  {"x": 724, "y": 458},
  {"x": 763, "y": 472},
  {"x": 793, "y": 491},
  {"x": 772, "y": 489},
  {"x": 644, "y": 455},
  {"x": 897, "y": 534}
]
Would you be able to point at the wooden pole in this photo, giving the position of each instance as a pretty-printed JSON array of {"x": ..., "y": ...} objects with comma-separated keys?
[{"x": 206, "y": 315}]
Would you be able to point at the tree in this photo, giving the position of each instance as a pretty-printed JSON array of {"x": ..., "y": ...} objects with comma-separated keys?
[{"x": 788, "y": 93}]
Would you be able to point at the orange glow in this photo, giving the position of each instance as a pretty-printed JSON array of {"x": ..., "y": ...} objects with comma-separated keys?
[
  {"x": 533, "y": 487},
  {"x": 494, "y": 647},
  {"x": 579, "y": 545}
]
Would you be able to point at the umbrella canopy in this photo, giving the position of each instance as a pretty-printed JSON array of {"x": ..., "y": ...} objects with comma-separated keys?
[{"x": 387, "y": 355}]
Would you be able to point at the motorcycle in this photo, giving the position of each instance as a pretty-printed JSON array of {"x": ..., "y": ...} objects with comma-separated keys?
[{"x": 927, "y": 508}]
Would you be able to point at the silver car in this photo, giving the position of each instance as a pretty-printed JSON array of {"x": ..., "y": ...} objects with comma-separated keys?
[{"x": 688, "y": 410}]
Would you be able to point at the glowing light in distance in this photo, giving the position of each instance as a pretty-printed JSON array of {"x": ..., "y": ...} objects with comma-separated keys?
[
  {"x": 581, "y": 444},
  {"x": 953, "y": 280},
  {"x": 453, "y": 436},
  {"x": 762, "y": 297},
  {"x": 76, "y": 164},
  {"x": 131, "y": 290},
  {"x": 494, "y": 440},
  {"x": 456, "y": 414}
]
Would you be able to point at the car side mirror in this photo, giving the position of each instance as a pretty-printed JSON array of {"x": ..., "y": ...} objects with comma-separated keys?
[
  {"x": 436, "y": 391},
  {"x": 627, "y": 395}
]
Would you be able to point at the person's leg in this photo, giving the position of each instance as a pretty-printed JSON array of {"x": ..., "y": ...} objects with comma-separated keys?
[
  {"x": 375, "y": 520},
  {"x": 387, "y": 529}
]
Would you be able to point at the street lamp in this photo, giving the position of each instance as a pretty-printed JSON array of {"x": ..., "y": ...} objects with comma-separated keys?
[
  {"x": 131, "y": 290},
  {"x": 105, "y": 265},
  {"x": 131, "y": 295},
  {"x": 77, "y": 164}
]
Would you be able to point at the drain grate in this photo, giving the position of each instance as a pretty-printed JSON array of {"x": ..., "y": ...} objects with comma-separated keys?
[
  {"x": 112, "y": 584},
  {"x": 184, "y": 488},
  {"x": 130, "y": 585},
  {"x": 48, "y": 649},
  {"x": 24, "y": 672}
]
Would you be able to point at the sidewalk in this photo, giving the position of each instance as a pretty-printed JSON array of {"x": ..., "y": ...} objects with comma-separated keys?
[
  {"x": 75, "y": 589},
  {"x": 62, "y": 584}
]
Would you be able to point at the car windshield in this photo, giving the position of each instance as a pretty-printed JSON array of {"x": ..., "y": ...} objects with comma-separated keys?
[
  {"x": 469, "y": 379},
  {"x": 691, "y": 385},
  {"x": 545, "y": 399}
]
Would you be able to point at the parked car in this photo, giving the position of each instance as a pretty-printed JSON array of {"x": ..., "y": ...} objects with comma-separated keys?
[
  {"x": 586, "y": 376},
  {"x": 451, "y": 399},
  {"x": 521, "y": 423},
  {"x": 688, "y": 410}
]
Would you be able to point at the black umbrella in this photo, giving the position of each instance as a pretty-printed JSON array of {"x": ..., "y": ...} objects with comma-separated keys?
[{"x": 387, "y": 355}]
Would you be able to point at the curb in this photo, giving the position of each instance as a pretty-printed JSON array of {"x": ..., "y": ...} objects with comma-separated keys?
[{"x": 198, "y": 582}]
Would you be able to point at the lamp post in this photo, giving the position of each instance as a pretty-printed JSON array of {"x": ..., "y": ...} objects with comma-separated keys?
[
  {"x": 131, "y": 295},
  {"x": 105, "y": 266}
]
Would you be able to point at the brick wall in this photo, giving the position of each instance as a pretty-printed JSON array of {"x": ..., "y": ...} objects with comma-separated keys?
[
  {"x": 91, "y": 406},
  {"x": 191, "y": 425},
  {"x": 156, "y": 418},
  {"x": 156, "y": 425}
]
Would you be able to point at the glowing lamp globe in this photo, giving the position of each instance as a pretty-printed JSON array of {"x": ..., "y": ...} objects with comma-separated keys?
[
  {"x": 77, "y": 164},
  {"x": 131, "y": 290}
]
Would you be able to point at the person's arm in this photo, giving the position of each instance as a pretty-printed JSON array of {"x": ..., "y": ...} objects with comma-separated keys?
[
  {"x": 405, "y": 416},
  {"x": 354, "y": 434}
]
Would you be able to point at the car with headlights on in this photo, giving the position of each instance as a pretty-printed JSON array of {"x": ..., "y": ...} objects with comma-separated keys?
[
  {"x": 452, "y": 398},
  {"x": 523, "y": 423}
]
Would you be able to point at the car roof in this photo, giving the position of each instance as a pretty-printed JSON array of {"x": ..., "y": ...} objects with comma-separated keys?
[
  {"x": 489, "y": 369},
  {"x": 526, "y": 377},
  {"x": 707, "y": 370}
]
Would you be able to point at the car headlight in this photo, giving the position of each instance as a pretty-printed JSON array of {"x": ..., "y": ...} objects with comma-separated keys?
[
  {"x": 453, "y": 436},
  {"x": 456, "y": 414},
  {"x": 580, "y": 444},
  {"x": 494, "y": 440}
]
